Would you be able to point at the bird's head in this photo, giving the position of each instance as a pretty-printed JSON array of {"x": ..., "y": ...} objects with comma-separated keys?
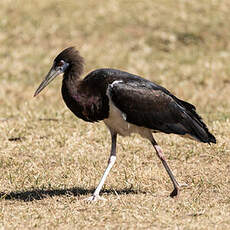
[{"x": 69, "y": 61}]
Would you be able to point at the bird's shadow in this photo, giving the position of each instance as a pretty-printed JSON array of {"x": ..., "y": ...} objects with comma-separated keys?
[{"x": 39, "y": 194}]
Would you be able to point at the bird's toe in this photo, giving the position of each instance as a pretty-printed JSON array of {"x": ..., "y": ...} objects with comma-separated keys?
[
  {"x": 183, "y": 185},
  {"x": 94, "y": 198},
  {"x": 175, "y": 192}
]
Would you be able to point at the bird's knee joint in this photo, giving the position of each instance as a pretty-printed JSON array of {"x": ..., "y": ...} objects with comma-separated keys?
[{"x": 159, "y": 152}]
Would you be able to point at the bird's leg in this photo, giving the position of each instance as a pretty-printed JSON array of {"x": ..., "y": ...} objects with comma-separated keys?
[
  {"x": 160, "y": 154},
  {"x": 111, "y": 162}
]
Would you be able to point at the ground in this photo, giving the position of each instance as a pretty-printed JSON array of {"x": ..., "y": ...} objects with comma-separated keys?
[{"x": 51, "y": 161}]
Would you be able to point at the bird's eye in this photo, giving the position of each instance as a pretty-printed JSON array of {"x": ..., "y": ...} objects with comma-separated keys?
[{"x": 60, "y": 63}]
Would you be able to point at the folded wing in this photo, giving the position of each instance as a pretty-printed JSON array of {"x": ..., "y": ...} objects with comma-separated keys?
[{"x": 147, "y": 105}]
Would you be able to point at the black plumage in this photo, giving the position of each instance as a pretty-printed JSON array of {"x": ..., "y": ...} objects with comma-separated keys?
[{"x": 126, "y": 103}]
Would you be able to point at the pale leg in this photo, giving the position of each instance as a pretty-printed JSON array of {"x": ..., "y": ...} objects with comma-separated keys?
[
  {"x": 160, "y": 154},
  {"x": 111, "y": 162}
]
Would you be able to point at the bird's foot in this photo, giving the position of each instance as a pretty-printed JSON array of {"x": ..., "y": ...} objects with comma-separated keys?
[
  {"x": 175, "y": 192},
  {"x": 94, "y": 198}
]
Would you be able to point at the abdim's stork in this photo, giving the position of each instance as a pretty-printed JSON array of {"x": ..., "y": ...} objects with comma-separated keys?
[{"x": 127, "y": 104}]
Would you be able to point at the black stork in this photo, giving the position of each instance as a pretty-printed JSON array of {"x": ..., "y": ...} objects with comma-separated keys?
[{"x": 127, "y": 104}]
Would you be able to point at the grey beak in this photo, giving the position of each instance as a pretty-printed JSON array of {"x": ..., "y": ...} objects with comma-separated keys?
[{"x": 49, "y": 77}]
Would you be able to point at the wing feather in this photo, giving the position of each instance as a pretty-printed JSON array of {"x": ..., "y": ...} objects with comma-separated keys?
[{"x": 144, "y": 106}]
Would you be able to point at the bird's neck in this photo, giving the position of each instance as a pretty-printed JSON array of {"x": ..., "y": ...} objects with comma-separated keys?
[
  {"x": 75, "y": 69},
  {"x": 72, "y": 80},
  {"x": 72, "y": 75}
]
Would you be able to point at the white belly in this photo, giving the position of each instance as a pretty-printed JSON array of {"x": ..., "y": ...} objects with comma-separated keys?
[{"x": 117, "y": 122}]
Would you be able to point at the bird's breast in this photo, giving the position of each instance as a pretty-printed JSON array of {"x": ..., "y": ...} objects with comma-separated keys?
[{"x": 85, "y": 104}]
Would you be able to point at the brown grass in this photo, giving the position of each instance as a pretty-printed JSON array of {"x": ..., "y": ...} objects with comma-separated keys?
[{"x": 50, "y": 161}]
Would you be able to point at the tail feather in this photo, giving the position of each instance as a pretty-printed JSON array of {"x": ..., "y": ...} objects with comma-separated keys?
[
  {"x": 194, "y": 123},
  {"x": 199, "y": 130}
]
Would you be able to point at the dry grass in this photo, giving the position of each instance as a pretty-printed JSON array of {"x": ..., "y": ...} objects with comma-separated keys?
[{"x": 50, "y": 160}]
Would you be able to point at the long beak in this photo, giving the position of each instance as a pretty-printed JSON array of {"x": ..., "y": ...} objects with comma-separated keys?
[{"x": 49, "y": 77}]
